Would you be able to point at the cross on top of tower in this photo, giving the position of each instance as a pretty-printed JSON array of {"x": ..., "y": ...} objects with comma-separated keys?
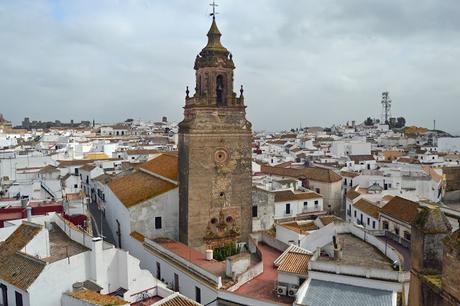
[{"x": 214, "y": 5}]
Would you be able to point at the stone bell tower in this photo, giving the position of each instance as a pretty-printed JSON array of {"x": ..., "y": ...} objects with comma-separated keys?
[{"x": 214, "y": 154}]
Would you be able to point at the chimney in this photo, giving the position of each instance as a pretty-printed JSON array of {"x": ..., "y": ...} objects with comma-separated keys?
[
  {"x": 337, "y": 248},
  {"x": 24, "y": 202},
  {"x": 29, "y": 213},
  {"x": 96, "y": 261},
  {"x": 209, "y": 255}
]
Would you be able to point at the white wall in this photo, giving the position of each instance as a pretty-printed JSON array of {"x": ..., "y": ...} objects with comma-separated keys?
[
  {"x": 297, "y": 207},
  {"x": 166, "y": 206},
  {"x": 449, "y": 144}
]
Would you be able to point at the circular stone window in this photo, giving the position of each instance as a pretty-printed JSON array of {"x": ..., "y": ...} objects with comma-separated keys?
[
  {"x": 229, "y": 219},
  {"x": 220, "y": 156},
  {"x": 213, "y": 220}
]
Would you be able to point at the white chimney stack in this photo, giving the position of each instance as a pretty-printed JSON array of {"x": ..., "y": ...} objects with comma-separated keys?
[
  {"x": 96, "y": 261},
  {"x": 209, "y": 255},
  {"x": 29, "y": 213}
]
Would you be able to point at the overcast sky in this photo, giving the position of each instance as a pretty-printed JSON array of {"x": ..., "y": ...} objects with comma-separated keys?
[{"x": 319, "y": 62}]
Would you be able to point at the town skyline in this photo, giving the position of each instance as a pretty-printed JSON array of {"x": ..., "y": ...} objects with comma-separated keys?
[{"x": 106, "y": 64}]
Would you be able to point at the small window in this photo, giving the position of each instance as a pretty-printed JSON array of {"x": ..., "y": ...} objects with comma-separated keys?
[
  {"x": 158, "y": 270},
  {"x": 318, "y": 190},
  {"x": 176, "y": 282},
  {"x": 345, "y": 182},
  {"x": 406, "y": 235},
  {"x": 396, "y": 230},
  {"x": 18, "y": 298},
  {"x": 385, "y": 225},
  {"x": 157, "y": 222},
  {"x": 4, "y": 294},
  {"x": 316, "y": 202},
  {"x": 305, "y": 204},
  {"x": 254, "y": 211},
  {"x": 197, "y": 294},
  {"x": 373, "y": 224},
  {"x": 288, "y": 209},
  {"x": 368, "y": 221},
  {"x": 355, "y": 213},
  {"x": 75, "y": 186}
]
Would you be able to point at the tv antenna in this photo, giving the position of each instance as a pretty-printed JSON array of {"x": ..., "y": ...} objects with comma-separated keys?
[{"x": 386, "y": 107}]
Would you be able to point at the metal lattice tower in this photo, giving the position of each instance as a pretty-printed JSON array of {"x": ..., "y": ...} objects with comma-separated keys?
[{"x": 386, "y": 107}]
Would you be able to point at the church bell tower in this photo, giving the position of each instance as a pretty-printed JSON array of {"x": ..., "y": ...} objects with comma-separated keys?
[{"x": 214, "y": 154}]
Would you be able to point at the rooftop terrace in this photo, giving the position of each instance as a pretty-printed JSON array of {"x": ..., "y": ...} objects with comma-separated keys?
[
  {"x": 61, "y": 246},
  {"x": 262, "y": 286},
  {"x": 359, "y": 253}
]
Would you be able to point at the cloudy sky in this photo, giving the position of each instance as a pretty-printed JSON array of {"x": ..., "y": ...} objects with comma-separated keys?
[{"x": 301, "y": 61}]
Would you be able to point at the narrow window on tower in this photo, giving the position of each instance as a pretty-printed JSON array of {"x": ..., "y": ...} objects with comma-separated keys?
[
  {"x": 254, "y": 211},
  {"x": 220, "y": 90}
]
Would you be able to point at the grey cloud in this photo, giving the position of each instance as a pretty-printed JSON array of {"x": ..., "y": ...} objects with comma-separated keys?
[{"x": 309, "y": 62}]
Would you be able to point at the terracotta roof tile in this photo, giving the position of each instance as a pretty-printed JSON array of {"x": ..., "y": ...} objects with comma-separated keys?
[
  {"x": 17, "y": 268},
  {"x": 349, "y": 174},
  {"x": 96, "y": 298},
  {"x": 367, "y": 208},
  {"x": 142, "y": 152},
  {"x": 295, "y": 263},
  {"x": 300, "y": 227},
  {"x": 177, "y": 299},
  {"x": 352, "y": 194},
  {"x": 314, "y": 174},
  {"x": 325, "y": 220},
  {"x": 289, "y": 195},
  {"x": 138, "y": 187},
  {"x": 401, "y": 209},
  {"x": 88, "y": 167},
  {"x": 360, "y": 158},
  {"x": 165, "y": 165}
]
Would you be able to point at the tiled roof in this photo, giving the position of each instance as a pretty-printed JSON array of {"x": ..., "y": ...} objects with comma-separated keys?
[
  {"x": 141, "y": 152},
  {"x": 87, "y": 167},
  {"x": 165, "y": 165},
  {"x": 292, "y": 248},
  {"x": 177, "y": 299},
  {"x": 48, "y": 169},
  {"x": 360, "y": 158},
  {"x": 301, "y": 227},
  {"x": 103, "y": 178},
  {"x": 324, "y": 293},
  {"x": 75, "y": 162},
  {"x": 367, "y": 208},
  {"x": 18, "y": 268},
  {"x": 295, "y": 262},
  {"x": 96, "y": 298},
  {"x": 349, "y": 174},
  {"x": 352, "y": 194},
  {"x": 138, "y": 187},
  {"x": 314, "y": 174},
  {"x": 325, "y": 220},
  {"x": 289, "y": 195},
  {"x": 401, "y": 209}
]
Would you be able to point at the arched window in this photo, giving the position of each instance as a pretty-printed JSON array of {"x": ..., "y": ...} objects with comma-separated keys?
[{"x": 220, "y": 90}]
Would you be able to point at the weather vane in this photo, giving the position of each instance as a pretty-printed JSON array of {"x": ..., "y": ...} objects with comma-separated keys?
[{"x": 214, "y": 5}]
